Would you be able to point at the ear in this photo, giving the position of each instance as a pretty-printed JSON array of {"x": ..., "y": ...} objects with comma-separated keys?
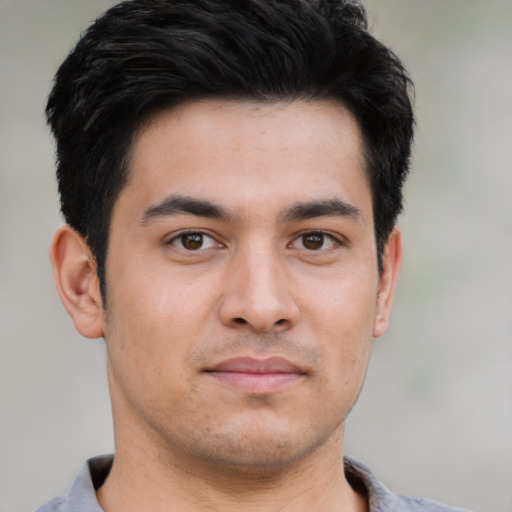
[
  {"x": 74, "y": 273},
  {"x": 391, "y": 262}
]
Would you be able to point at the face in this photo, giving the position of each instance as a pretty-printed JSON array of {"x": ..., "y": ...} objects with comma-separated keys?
[{"x": 242, "y": 283}]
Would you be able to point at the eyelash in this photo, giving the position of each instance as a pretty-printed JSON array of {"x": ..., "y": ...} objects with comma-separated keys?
[
  {"x": 322, "y": 237},
  {"x": 180, "y": 236}
]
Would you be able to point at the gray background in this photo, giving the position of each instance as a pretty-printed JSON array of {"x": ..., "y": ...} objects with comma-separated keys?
[{"x": 435, "y": 417}]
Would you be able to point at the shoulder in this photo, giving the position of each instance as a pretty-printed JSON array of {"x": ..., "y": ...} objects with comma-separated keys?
[
  {"x": 57, "y": 504},
  {"x": 417, "y": 504},
  {"x": 383, "y": 499},
  {"x": 81, "y": 496}
]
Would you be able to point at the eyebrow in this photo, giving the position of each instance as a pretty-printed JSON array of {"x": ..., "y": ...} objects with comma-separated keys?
[
  {"x": 176, "y": 205},
  {"x": 329, "y": 207}
]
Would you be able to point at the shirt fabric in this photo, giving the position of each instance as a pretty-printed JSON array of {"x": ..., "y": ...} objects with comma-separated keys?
[{"x": 81, "y": 496}]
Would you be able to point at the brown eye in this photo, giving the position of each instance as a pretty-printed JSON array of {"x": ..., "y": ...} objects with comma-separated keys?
[
  {"x": 192, "y": 241},
  {"x": 313, "y": 241}
]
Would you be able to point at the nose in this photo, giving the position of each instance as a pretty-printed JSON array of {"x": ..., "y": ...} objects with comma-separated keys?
[{"x": 257, "y": 294}]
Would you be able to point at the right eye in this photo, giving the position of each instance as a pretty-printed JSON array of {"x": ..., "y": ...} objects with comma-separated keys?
[{"x": 193, "y": 241}]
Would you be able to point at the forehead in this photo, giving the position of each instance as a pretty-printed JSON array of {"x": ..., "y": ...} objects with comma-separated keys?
[
  {"x": 248, "y": 153},
  {"x": 300, "y": 123}
]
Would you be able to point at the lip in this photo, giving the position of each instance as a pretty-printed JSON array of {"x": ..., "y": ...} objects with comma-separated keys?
[{"x": 256, "y": 376}]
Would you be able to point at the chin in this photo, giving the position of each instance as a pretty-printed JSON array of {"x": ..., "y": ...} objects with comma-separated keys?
[{"x": 260, "y": 448}]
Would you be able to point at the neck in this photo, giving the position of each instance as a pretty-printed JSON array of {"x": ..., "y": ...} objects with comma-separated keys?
[{"x": 142, "y": 478}]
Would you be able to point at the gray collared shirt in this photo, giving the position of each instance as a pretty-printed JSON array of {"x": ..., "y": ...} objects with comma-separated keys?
[{"x": 81, "y": 496}]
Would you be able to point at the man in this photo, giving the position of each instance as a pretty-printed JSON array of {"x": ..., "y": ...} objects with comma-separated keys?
[{"x": 230, "y": 173}]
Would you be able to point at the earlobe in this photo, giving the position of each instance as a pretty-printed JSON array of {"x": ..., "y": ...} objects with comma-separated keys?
[
  {"x": 74, "y": 273},
  {"x": 391, "y": 262}
]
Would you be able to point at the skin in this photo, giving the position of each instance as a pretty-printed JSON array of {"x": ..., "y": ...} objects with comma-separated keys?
[{"x": 245, "y": 230}]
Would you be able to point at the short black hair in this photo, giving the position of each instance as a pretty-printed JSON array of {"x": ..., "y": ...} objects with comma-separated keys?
[{"x": 143, "y": 56}]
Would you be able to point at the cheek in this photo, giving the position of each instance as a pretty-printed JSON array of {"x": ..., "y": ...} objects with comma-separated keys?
[
  {"x": 155, "y": 296},
  {"x": 344, "y": 320},
  {"x": 155, "y": 321},
  {"x": 345, "y": 307}
]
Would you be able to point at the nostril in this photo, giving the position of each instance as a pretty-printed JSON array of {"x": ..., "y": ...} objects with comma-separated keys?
[
  {"x": 282, "y": 321},
  {"x": 240, "y": 321}
]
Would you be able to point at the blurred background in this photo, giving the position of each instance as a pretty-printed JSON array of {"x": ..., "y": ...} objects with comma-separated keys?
[{"x": 435, "y": 416}]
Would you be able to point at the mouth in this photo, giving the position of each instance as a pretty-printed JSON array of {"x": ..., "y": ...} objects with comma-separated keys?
[{"x": 257, "y": 376}]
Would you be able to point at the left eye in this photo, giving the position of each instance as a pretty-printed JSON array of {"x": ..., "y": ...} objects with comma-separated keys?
[
  {"x": 314, "y": 241},
  {"x": 193, "y": 241}
]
